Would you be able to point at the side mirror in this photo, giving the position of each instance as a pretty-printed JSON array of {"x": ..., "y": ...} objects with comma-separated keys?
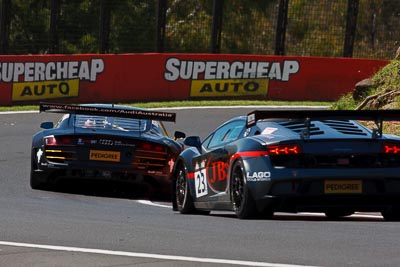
[
  {"x": 179, "y": 135},
  {"x": 47, "y": 125},
  {"x": 193, "y": 141}
]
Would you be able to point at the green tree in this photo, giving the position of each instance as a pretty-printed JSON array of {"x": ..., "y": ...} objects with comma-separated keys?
[
  {"x": 79, "y": 26},
  {"x": 133, "y": 26},
  {"x": 29, "y": 27}
]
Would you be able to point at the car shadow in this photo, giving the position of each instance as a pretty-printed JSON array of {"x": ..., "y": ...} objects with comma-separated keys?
[
  {"x": 110, "y": 189},
  {"x": 307, "y": 217}
]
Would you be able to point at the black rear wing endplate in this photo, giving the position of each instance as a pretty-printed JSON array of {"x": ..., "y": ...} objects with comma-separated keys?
[{"x": 109, "y": 112}]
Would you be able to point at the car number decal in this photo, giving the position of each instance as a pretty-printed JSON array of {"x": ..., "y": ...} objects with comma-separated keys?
[
  {"x": 200, "y": 180},
  {"x": 201, "y": 183}
]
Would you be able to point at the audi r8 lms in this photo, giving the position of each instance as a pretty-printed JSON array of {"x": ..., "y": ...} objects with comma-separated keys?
[
  {"x": 293, "y": 161},
  {"x": 104, "y": 142}
]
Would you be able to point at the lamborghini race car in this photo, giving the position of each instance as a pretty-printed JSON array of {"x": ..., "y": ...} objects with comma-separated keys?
[
  {"x": 104, "y": 142},
  {"x": 292, "y": 161}
]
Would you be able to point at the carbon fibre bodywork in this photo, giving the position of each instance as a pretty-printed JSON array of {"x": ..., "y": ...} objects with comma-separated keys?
[
  {"x": 292, "y": 161},
  {"x": 104, "y": 142}
]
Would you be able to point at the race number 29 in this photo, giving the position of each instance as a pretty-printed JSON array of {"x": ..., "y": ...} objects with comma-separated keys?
[{"x": 200, "y": 183}]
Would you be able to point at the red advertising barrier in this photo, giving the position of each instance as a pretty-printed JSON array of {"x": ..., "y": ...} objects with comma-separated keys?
[{"x": 161, "y": 77}]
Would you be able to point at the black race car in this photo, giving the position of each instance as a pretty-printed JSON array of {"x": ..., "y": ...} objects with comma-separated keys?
[
  {"x": 107, "y": 142},
  {"x": 291, "y": 161}
]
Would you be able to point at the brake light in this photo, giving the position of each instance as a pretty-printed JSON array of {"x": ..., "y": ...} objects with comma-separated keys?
[
  {"x": 158, "y": 148},
  {"x": 284, "y": 149},
  {"x": 151, "y": 147},
  {"x": 51, "y": 140},
  {"x": 391, "y": 148},
  {"x": 145, "y": 146}
]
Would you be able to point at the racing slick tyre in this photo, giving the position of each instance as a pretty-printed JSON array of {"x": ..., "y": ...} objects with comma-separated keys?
[
  {"x": 36, "y": 182},
  {"x": 242, "y": 201},
  {"x": 392, "y": 214},
  {"x": 184, "y": 199}
]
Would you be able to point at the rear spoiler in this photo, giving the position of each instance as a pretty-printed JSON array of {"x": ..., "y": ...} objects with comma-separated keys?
[
  {"x": 110, "y": 112},
  {"x": 378, "y": 116}
]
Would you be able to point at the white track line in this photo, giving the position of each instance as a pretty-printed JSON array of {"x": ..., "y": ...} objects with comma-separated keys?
[
  {"x": 149, "y": 203},
  {"x": 147, "y": 255},
  {"x": 18, "y": 112}
]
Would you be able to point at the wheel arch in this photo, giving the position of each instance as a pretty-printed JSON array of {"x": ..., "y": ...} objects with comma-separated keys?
[
  {"x": 248, "y": 163},
  {"x": 185, "y": 159}
]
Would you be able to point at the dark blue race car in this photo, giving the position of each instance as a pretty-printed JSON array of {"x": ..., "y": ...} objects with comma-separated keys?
[
  {"x": 104, "y": 142},
  {"x": 292, "y": 161}
]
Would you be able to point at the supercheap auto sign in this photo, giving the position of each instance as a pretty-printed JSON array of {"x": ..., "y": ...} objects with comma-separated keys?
[
  {"x": 47, "y": 80},
  {"x": 122, "y": 78},
  {"x": 223, "y": 78}
]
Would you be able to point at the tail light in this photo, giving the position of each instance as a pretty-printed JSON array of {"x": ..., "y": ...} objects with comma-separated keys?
[
  {"x": 52, "y": 140},
  {"x": 151, "y": 147},
  {"x": 391, "y": 148},
  {"x": 284, "y": 149}
]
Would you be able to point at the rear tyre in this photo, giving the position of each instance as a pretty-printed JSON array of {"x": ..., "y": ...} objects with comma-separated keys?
[
  {"x": 242, "y": 201},
  {"x": 392, "y": 214},
  {"x": 36, "y": 182},
  {"x": 184, "y": 199}
]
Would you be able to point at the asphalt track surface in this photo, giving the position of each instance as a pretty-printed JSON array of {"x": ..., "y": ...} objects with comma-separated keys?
[{"x": 111, "y": 225}]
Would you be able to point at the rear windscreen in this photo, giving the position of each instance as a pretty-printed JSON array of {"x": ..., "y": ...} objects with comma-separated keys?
[{"x": 111, "y": 123}]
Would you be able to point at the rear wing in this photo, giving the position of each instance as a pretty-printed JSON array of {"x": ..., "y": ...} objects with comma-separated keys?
[
  {"x": 109, "y": 112},
  {"x": 378, "y": 116}
]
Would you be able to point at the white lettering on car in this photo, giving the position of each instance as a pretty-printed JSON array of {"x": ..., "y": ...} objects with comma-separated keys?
[
  {"x": 39, "y": 154},
  {"x": 258, "y": 176}
]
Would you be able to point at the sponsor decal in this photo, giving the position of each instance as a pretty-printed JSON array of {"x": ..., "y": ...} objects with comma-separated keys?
[
  {"x": 269, "y": 130},
  {"x": 343, "y": 187},
  {"x": 44, "y": 90},
  {"x": 258, "y": 176},
  {"x": 217, "y": 173},
  {"x": 90, "y": 110},
  {"x": 46, "y": 80},
  {"x": 101, "y": 155},
  {"x": 223, "y": 78},
  {"x": 228, "y": 88}
]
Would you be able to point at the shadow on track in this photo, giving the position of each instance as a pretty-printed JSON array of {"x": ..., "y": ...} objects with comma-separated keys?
[
  {"x": 317, "y": 217},
  {"x": 110, "y": 189}
]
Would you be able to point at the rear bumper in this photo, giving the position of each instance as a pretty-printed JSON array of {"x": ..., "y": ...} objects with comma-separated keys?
[
  {"x": 106, "y": 172},
  {"x": 311, "y": 194}
]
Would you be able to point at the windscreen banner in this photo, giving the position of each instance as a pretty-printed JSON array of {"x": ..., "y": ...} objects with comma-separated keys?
[{"x": 122, "y": 78}]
